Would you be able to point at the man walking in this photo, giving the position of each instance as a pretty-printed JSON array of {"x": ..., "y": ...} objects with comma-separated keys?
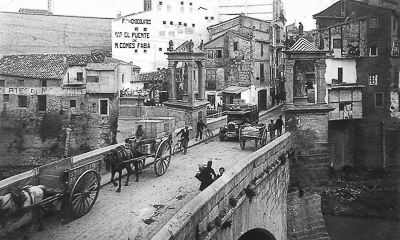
[
  {"x": 271, "y": 130},
  {"x": 279, "y": 125},
  {"x": 200, "y": 127},
  {"x": 184, "y": 138}
]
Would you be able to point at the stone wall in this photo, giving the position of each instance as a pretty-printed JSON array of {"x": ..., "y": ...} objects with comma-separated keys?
[
  {"x": 304, "y": 216},
  {"x": 53, "y": 33}
]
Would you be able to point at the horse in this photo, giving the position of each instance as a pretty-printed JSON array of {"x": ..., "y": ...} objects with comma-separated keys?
[
  {"x": 17, "y": 199},
  {"x": 115, "y": 161}
]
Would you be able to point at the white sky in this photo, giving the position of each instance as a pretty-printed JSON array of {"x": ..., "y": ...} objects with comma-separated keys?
[{"x": 296, "y": 10}]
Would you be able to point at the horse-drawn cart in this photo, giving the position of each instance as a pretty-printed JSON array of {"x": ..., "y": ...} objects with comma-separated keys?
[
  {"x": 75, "y": 184},
  {"x": 257, "y": 133}
]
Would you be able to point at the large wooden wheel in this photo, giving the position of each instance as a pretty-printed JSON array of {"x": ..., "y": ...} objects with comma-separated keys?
[
  {"x": 242, "y": 140},
  {"x": 84, "y": 193},
  {"x": 162, "y": 157}
]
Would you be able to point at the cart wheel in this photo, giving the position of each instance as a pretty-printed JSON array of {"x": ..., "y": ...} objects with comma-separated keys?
[
  {"x": 242, "y": 141},
  {"x": 140, "y": 165},
  {"x": 162, "y": 158},
  {"x": 84, "y": 193}
]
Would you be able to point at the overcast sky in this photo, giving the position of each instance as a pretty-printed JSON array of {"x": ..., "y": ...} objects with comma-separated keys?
[{"x": 296, "y": 10}]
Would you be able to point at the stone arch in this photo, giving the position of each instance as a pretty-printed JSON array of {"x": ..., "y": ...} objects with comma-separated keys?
[{"x": 257, "y": 234}]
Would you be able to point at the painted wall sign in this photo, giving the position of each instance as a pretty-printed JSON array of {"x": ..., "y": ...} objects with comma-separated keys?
[
  {"x": 133, "y": 40},
  {"x": 42, "y": 91}
]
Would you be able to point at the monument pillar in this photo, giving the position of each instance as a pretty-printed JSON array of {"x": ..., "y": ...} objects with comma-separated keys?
[
  {"x": 320, "y": 68},
  {"x": 172, "y": 87},
  {"x": 289, "y": 81},
  {"x": 201, "y": 80}
]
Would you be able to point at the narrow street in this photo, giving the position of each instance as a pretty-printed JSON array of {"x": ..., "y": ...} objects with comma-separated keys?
[{"x": 142, "y": 208}]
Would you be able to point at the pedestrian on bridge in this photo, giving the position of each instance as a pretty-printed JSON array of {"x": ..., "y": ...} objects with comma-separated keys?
[
  {"x": 200, "y": 126},
  {"x": 207, "y": 176},
  {"x": 271, "y": 130},
  {"x": 279, "y": 125}
]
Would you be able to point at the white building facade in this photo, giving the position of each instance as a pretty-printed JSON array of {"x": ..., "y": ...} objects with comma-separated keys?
[{"x": 143, "y": 38}]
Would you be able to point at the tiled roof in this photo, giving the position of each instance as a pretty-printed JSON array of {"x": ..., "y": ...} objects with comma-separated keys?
[
  {"x": 159, "y": 76},
  {"x": 45, "y": 66},
  {"x": 303, "y": 45},
  {"x": 101, "y": 66},
  {"x": 235, "y": 89}
]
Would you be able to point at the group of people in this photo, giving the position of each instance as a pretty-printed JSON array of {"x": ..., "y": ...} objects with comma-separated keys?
[
  {"x": 277, "y": 126},
  {"x": 207, "y": 175}
]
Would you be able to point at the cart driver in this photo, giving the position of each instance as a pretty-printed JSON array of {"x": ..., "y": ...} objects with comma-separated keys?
[{"x": 140, "y": 135}]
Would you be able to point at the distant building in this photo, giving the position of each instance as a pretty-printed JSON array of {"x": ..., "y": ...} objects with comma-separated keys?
[
  {"x": 364, "y": 43},
  {"x": 144, "y": 37},
  {"x": 58, "y": 104}
]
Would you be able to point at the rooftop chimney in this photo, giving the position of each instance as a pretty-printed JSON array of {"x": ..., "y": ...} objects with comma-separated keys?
[
  {"x": 50, "y": 6},
  {"x": 118, "y": 14}
]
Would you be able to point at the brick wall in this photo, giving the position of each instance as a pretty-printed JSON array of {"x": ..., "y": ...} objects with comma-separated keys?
[{"x": 29, "y": 33}]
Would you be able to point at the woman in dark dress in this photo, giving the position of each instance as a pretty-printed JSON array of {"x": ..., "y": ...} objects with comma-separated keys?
[{"x": 208, "y": 176}]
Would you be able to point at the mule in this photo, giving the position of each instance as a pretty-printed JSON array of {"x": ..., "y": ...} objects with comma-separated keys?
[
  {"x": 115, "y": 161},
  {"x": 17, "y": 199}
]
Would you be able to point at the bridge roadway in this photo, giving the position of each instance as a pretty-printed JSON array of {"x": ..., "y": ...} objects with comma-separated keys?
[{"x": 144, "y": 207}]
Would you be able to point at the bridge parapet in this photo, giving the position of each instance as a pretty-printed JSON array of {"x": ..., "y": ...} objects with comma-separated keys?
[{"x": 251, "y": 195}]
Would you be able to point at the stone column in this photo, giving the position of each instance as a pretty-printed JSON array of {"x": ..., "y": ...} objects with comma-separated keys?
[
  {"x": 172, "y": 87},
  {"x": 289, "y": 81},
  {"x": 201, "y": 80},
  {"x": 320, "y": 68},
  {"x": 190, "y": 82}
]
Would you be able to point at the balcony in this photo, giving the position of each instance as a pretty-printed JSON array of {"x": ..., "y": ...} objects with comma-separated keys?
[
  {"x": 347, "y": 101},
  {"x": 75, "y": 82}
]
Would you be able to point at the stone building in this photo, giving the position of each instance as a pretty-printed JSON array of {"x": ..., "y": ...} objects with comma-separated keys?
[
  {"x": 363, "y": 40},
  {"x": 238, "y": 54},
  {"x": 56, "y": 105}
]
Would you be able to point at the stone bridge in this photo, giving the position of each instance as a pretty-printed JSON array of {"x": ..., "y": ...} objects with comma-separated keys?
[{"x": 247, "y": 202}]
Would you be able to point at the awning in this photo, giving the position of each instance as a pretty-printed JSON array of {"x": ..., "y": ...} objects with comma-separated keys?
[{"x": 235, "y": 89}]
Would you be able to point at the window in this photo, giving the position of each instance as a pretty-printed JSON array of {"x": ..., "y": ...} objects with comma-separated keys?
[
  {"x": 43, "y": 83},
  {"x": 185, "y": 24},
  {"x": 212, "y": 18},
  {"x": 182, "y": 3},
  {"x": 2, "y": 83},
  {"x": 206, "y": 18},
  {"x": 373, "y": 22},
  {"x": 79, "y": 76},
  {"x": 394, "y": 23},
  {"x": 210, "y": 54},
  {"x": 182, "y": 9},
  {"x": 262, "y": 76},
  {"x": 145, "y": 51},
  {"x": 340, "y": 75},
  {"x": 168, "y": 8},
  {"x": 190, "y": 4},
  {"x": 180, "y": 23},
  {"x": 219, "y": 53},
  {"x": 6, "y": 97},
  {"x": 337, "y": 43},
  {"x": 103, "y": 107},
  {"x": 123, "y": 77},
  {"x": 136, "y": 29},
  {"x": 373, "y": 51},
  {"x": 164, "y": 22},
  {"x": 235, "y": 46},
  {"x": 160, "y": 49},
  {"x": 22, "y": 101},
  {"x": 41, "y": 103},
  {"x": 72, "y": 103},
  {"x": 161, "y": 33},
  {"x": 171, "y": 23},
  {"x": 193, "y": 25},
  {"x": 159, "y": 3},
  {"x": 373, "y": 79},
  {"x": 379, "y": 99},
  {"x": 145, "y": 29},
  {"x": 211, "y": 76},
  {"x": 147, "y": 4},
  {"x": 21, "y": 83},
  {"x": 262, "y": 50}
]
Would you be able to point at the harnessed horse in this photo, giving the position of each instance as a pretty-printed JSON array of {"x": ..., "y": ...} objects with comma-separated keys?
[
  {"x": 17, "y": 199},
  {"x": 115, "y": 160}
]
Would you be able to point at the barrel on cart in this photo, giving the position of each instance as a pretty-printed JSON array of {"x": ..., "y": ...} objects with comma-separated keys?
[{"x": 257, "y": 133}]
